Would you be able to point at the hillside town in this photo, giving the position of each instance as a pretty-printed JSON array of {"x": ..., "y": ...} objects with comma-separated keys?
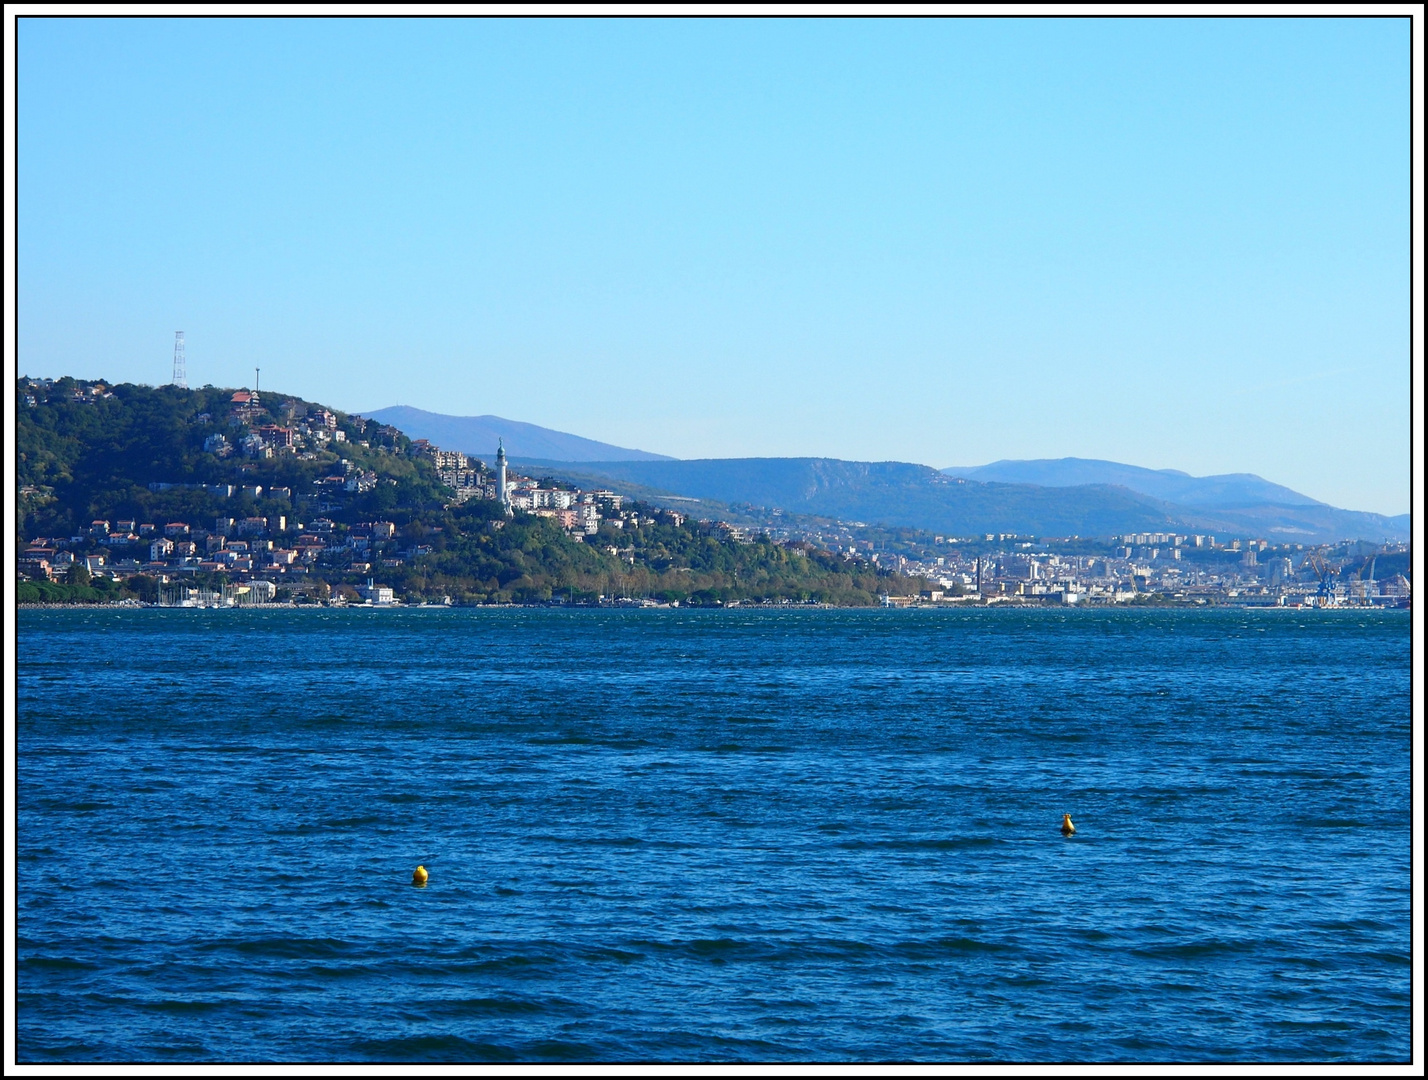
[
  {"x": 280, "y": 544},
  {"x": 267, "y": 551}
]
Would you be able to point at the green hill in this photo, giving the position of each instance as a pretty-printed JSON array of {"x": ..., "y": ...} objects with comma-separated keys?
[{"x": 89, "y": 451}]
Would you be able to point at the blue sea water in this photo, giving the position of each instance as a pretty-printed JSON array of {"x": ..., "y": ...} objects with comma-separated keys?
[{"x": 713, "y": 836}]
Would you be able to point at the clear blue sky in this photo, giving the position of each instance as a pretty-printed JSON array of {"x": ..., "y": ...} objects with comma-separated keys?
[{"x": 1179, "y": 244}]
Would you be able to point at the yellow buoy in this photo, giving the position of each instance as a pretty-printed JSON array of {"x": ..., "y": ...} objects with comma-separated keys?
[
  {"x": 419, "y": 876},
  {"x": 1066, "y": 827}
]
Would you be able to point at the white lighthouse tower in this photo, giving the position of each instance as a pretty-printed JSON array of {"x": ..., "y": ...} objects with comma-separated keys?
[{"x": 502, "y": 491}]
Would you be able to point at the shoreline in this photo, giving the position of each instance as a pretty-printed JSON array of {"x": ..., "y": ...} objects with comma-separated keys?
[{"x": 740, "y": 606}]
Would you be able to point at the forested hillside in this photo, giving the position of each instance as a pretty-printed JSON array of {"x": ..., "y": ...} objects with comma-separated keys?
[{"x": 361, "y": 502}]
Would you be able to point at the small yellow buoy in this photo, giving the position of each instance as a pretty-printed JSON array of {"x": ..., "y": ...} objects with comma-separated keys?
[
  {"x": 1066, "y": 827},
  {"x": 419, "y": 876}
]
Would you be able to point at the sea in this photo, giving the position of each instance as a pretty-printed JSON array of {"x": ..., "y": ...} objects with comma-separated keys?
[{"x": 739, "y": 835}]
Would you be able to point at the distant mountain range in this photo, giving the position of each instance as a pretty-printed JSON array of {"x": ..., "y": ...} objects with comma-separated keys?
[
  {"x": 1235, "y": 501},
  {"x": 1228, "y": 492},
  {"x": 1050, "y": 497},
  {"x": 478, "y": 435},
  {"x": 887, "y": 493},
  {"x": 918, "y": 496}
]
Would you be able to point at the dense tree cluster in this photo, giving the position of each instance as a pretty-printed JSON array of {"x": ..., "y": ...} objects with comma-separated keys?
[
  {"x": 478, "y": 557},
  {"x": 91, "y": 457}
]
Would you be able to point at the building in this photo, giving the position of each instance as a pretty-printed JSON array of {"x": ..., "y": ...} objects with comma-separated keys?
[
  {"x": 445, "y": 459},
  {"x": 262, "y": 591},
  {"x": 377, "y": 594},
  {"x": 361, "y": 480},
  {"x": 588, "y": 517},
  {"x": 277, "y": 436},
  {"x": 32, "y": 566}
]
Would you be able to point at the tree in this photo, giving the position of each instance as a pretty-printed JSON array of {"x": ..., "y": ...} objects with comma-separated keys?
[
  {"x": 78, "y": 574},
  {"x": 144, "y": 587}
]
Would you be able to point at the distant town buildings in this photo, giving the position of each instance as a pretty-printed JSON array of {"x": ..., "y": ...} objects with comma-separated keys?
[{"x": 276, "y": 533}]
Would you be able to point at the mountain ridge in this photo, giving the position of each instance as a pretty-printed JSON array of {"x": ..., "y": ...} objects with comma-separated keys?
[
  {"x": 1048, "y": 496},
  {"x": 919, "y": 496},
  {"x": 479, "y": 435},
  {"x": 1224, "y": 491}
]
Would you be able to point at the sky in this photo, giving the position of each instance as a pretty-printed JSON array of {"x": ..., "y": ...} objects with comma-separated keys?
[{"x": 1173, "y": 243}]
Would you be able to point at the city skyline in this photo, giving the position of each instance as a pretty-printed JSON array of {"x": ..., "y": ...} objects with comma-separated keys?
[{"x": 1175, "y": 243}]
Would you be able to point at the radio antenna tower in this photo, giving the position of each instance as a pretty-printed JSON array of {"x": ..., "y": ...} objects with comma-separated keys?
[{"x": 180, "y": 375}]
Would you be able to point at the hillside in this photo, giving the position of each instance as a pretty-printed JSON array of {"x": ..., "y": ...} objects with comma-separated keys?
[
  {"x": 86, "y": 456},
  {"x": 332, "y": 500}
]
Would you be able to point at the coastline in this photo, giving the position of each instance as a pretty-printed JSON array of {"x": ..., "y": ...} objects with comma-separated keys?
[{"x": 1167, "y": 605}]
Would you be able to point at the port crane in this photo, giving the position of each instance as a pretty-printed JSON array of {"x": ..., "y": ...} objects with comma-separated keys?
[
  {"x": 1363, "y": 578},
  {"x": 1314, "y": 559}
]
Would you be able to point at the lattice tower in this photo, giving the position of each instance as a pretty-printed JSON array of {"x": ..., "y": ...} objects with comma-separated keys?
[{"x": 180, "y": 374}]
